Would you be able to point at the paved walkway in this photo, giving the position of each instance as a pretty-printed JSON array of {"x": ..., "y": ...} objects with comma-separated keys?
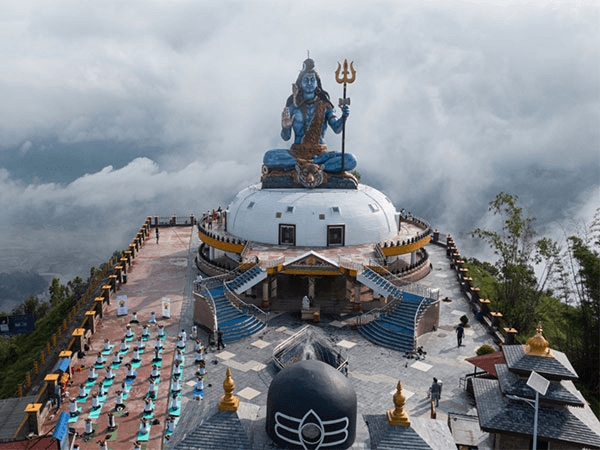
[
  {"x": 374, "y": 371},
  {"x": 167, "y": 269},
  {"x": 159, "y": 270}
]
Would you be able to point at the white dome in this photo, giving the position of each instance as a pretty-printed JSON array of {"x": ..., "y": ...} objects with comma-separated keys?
[{"x": 365, "y": 215}]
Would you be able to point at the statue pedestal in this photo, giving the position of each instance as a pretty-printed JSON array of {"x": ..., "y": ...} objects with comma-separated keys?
[{"x": 309, "y": 314}]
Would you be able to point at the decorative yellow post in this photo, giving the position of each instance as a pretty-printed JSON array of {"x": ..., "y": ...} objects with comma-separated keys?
[
  {"x": 64, "y": 324},
  {"x": 27, "y": 379},
  {"x": 54, "y": 340},
  {"x": 398, "y": 416},
  {"x": 42, "y": 358},
  {"x": 20, "y": 390},
  {"x": 58, "y": 332},
  {"x": 36, "y": 370},
  {"x": 228, "y": 401},
  {"x": 48, "y": 348}
]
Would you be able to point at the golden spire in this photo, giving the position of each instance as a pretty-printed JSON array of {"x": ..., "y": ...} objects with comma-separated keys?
[
  {"x": 398, "y": 416},
  {"x": 228, "y": 401},
  {"x": 537, "y": 345}
]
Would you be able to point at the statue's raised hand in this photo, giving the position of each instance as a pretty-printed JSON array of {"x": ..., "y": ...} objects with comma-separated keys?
[{"x": 286, "y": 118}]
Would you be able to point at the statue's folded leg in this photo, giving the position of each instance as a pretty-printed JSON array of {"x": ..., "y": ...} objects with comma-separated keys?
[
  {"x": 332, "y": 161},
  {"x": 279, "y": 159}
]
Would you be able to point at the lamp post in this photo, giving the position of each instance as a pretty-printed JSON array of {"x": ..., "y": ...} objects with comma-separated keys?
[{"x": 540, "y": 385}]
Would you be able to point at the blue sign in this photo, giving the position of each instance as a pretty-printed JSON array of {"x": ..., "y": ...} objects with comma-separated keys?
[{"x": 21, "y": 323}]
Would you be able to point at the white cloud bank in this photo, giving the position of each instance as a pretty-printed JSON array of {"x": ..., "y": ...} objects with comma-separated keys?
[{"x": 453, "y": 103}]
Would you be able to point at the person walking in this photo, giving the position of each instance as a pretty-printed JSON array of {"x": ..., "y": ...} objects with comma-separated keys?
[
  {"x": 460, "y": 331},
  {"x": 436, "y": 391}
]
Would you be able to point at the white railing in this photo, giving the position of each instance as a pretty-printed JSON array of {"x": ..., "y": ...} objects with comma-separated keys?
[{"x": 409, "y": 288}]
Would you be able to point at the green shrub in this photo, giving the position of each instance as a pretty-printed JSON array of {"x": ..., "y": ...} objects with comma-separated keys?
[{"x": 485, "y": 349}]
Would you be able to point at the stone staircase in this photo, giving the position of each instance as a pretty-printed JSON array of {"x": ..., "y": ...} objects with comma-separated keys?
[
  {"x": 395, "y": 328},
  {"x": 235, "y": 324},
  {"x": 247, "y": 279},
  {"x": 378, "y": 283}
]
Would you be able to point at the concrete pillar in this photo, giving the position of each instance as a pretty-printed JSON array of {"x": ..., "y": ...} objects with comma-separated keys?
[
  {"x": 413, "y": 258},
  {"x": 98, "y": 306},
  {"x": 91, "y": 320},
  {"x": 51, "y": 381},
  {"x": 274, "y": 287},
  {"x": 112, "y": 281},
  {"x": 357, "y": 287},
  {"x": 78, "y": 335},
  {"x": 265, "y": 293},
  {"x": 106, "y": 293},
  {"x": 311, "y": 287},
  {"x": 34, "y": 417},
  {"x": 67, "y": 354},
  {"x": 510, "y": 336}
]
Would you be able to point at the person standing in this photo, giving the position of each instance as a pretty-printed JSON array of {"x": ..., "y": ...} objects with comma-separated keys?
[
  {"x": 460, "y": 331},
  {"x": 220, "y": 339},
  {"x": 58, "y": 395},
  {"x": 436, "y": 391},
  {"x": 157, "y": 235}
]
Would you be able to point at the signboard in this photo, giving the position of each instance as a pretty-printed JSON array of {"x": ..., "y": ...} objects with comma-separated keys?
[
  {"x": 166, "y": 307},
  {"x": 21, "y": 323},
  {"x": 122, "y": 305},
  {"x": 4, "y": 325}
]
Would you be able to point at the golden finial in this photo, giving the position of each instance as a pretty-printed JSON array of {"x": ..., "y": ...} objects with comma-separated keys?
[
  {"x": 228, "y": 401},
  {"x": 398, "y": 416},
  {"x": 537, "y": 345}
]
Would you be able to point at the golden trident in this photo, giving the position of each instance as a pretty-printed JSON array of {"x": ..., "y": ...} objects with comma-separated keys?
[{"x": 348, "y": 76}]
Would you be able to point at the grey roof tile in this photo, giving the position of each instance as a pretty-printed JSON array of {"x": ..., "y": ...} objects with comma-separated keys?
[
  {"x": 556, "y": 367},
  {"x": 423, "y": 434},
  {"x": 513, "y": 384},
  {"x": 498, "y": 413},
  {"x": 222, "y": 431}
]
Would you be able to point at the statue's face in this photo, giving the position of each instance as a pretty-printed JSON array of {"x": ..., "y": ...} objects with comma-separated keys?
[{"x": 309, "y": 83}]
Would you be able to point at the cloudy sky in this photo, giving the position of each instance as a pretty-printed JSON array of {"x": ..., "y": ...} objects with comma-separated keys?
[{"x": 113, "y": 111}]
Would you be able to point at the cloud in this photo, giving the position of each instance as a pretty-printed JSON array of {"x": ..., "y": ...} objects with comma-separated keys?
[{"x": 115, "y": 111}]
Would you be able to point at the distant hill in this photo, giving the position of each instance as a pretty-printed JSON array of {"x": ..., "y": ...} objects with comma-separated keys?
[{"x": 15, "y": 287}]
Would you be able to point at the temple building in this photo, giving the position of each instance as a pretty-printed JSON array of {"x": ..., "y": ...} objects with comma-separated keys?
[
  {"x": 309, "y": 237},
  {"x": 505, "y": 409}
]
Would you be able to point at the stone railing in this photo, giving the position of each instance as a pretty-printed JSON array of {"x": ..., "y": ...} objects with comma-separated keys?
[
  {"x": 481, "y": 307},
  {"x": 81, "y": 322}
]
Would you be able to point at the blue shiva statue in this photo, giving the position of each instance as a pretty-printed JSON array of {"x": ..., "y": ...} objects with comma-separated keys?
[{"x": 308, "y": 112}]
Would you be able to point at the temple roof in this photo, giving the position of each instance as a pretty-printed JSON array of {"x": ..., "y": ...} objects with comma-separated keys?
[
  {"x": 422, "y": 434},
  {"x": 221, "y": 431},
  {"x": 499, "y": 414},
  {"x": 488, "y": 362},
  {"x": 513, "y": 384},
  {"x": 556, "y": 366}
]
